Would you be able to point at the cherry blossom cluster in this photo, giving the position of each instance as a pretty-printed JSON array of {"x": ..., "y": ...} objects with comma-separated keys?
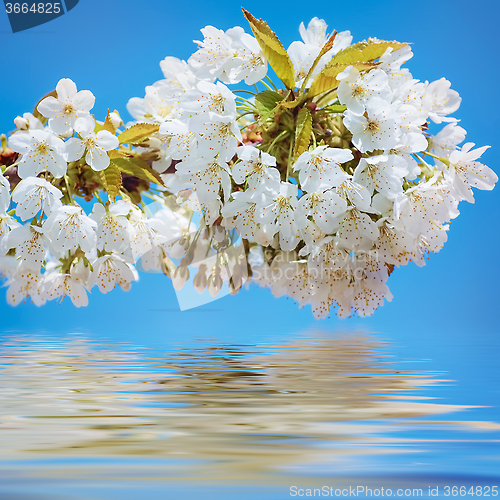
[{"x": 328, "y": 181}]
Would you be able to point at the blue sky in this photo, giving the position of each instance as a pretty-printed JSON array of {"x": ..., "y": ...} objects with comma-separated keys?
[{"x": 114, "y": 48}]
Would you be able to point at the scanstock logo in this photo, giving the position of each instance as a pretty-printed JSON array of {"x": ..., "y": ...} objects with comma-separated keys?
[{"x": 27, "y": 14}]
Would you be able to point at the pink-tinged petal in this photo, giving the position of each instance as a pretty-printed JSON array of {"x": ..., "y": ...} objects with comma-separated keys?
[
  {"x": 20, "y": 142},
  {"x": 49, "y": 107},
  {"x": 66, "y": 90},
  {"x": 74, "y": 149},
  {"x": 107, "y": 140},
  {"x": 84, "y": 100},
  {"x": 97, "y": 158}
]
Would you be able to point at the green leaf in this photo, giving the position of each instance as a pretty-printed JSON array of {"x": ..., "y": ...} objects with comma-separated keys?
[
  {"x": 138, "y": 133},
  {"x": 291, "y": 104},
  {"x": 138, "y": 168},
  {"x": 303, "y": 132},
  {"x": 328, "y": 45},
  {"x": 336, "y": 108},
  {"x": 274, "y": 51},
  {"x": 327, "y": 78},
  {"x": 97, "y": 126},
  {"x": 118, "y": 153},
  {"x": 112, "y": 180},
  {"x": 365, "y": 51},
  {"x": 37, "y": 113},
  {"x": 108, "y": 125},
  {"x": 266, "y": 101}
]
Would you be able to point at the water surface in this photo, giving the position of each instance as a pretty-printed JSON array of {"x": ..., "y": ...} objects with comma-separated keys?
[{"x": 81, "y": 418}]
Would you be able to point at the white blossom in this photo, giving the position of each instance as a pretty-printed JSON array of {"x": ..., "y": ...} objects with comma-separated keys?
[
  {"x": 29, "y": 243},
  {"x": 56, "y": 284},
  {"x": 34, "y": 194},
  {"x": 69, "y": 105},
  {"x": 383, "y": 173},
  {"x": 69, "y": 228},
  {"x": 376, "y": 129},
  {"x": 320, "y": 168},
  {"x": 208, "y": 177},
  {"x": 441, "y": 101},
  {"x": 326, "y": 208},
  {"x": 280, "y": 214},
  {"x": 113, "y": 229},
  {"x": 255, "y": 167},
  {"x": 466, "y": 173},
  {"x": 27, "y": 122},
  {"x": 95, "y": 145},
  {"x": 110, "y": 270},
  {"x": 356, "y": 90},
  {"x": 22, "y": 284},
  {"x": 41, "y": 150},
  {"x": 4, "y": 193}
]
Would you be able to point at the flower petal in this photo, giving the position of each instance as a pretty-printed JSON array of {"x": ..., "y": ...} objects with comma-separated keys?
[
  {"x": 97, "y": 158},
  {"x": 66, "y": 89}
]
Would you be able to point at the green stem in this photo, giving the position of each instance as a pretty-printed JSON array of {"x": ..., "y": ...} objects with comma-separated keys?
[
  {"x": 289, "y": 164},
  {"x": 440, "y": 158},
  {"x": 277, "y": 138},
  {"x": 314, "y": 139},
  {"x": 244, "y": 114},
  {"x": 245, "y": 108},
  {"x": 251, "y": 104},
  {"x": 69, "y": 190},
  {"x": 272, "y": 83},
  {"x": 245, "y": 91},
  {"x": 99, "y": 198},
  {"x": 421, "y": 160},
  {"x": 266, "y": 85}
]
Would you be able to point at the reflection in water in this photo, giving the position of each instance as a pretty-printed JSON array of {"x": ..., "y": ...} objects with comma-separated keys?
[{"x": 241, "y": 409}]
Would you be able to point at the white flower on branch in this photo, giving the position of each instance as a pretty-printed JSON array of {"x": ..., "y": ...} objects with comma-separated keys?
[
  {"x": 94, "y": 144},
  {"x": 110, "y": 270},
  {"x": 69, "y": 228},
  {"x": 69, "y": 105},
  {"x": 40, "y": 150},
  {"x": 34, "y": 194}
]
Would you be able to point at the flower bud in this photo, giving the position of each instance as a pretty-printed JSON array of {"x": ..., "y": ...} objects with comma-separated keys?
[
  {"x": 21, "y": 123},
  {"x": 181, "y": 275},
  {"x": 200, "y": 280},
  {"x": 215, "y": 282},
  {"x": 115, "y": 119},
  {"x": 152, "y": 142}
]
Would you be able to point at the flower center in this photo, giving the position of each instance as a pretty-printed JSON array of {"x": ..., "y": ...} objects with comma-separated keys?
[
  {"x": 224, "y": 129},
  {"x": 282, "y": 202},
  {"x": 42, "y": 148},
  {"x": 69, "y": 109},
  {"x": 217, "y": 103},
  {"x": 372, "y": 126},
  {"x": 358, "y": 92},
  {"x": 255, "y": 61},
  {"x": 90, "y": 142},
  {"x": 164, "y": 111}
]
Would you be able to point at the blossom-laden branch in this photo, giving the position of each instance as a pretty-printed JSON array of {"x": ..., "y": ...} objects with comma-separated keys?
[{"x": 327, "y": 180}]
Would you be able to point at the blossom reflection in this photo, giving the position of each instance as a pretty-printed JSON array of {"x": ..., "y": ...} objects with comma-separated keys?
[{"x": 243, "y": 409}]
